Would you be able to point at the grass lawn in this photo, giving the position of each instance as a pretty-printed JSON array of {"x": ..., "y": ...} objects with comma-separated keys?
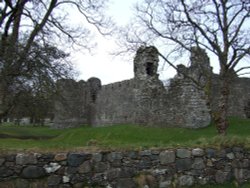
[
  {"x": 120, "y": 137},
  {"x": 226, "y": 185}
]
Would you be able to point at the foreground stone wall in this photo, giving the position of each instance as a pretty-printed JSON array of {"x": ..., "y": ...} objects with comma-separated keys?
[{"x": 146, "y": 168}]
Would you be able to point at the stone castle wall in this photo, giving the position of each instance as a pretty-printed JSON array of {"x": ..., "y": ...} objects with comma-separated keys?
[
  {"x": 147, "y": 102},
  {"x": 239, "y": 97},
  {"x": 114, "y": 169},
  {"x": 144, "y": 100},
  {"x": 122, "y": 94},
  {"x": 70, "y": 106}
]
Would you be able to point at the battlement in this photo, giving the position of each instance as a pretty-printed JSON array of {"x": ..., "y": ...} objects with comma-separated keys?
[{"x": 146, "y": 63}]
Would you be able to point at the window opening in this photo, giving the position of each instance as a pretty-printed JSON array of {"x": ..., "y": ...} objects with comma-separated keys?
[{"x": 150, "y": 69}]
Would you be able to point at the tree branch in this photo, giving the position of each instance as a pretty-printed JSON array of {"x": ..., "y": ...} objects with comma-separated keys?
[
  {"x": 39, "y": 26},
  {"x": 213, "y": 44}
]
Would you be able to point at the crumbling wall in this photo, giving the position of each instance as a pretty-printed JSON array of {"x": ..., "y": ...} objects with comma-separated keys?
[
  {"x": 188, "y": 104},
  {"x": 239, "y": 96},
  {"x": 144, "y": 99},
  {"x": 187, "y": 91},
  {"x": 75, "y": 103},
  {"x": 70, "y": 104},
  {"x": 115, "y": 104}
]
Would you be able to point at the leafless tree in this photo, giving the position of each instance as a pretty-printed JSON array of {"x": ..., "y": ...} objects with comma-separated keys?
[
  {"x": 34, "y": 35},
  {"x": 221, "y": 27}
]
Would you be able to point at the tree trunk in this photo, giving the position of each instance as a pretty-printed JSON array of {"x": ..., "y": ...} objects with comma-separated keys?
[
  {"x": 2, "y": 96},
  {"x": 5, "y": 100},
  {"x": 221, "y": 120}
]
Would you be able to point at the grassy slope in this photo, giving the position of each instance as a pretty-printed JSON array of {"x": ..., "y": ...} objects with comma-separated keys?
[{"x": 124, "y": 137}]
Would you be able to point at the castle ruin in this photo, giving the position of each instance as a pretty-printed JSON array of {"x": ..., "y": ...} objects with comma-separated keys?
[{"x": 144, "y": 100}]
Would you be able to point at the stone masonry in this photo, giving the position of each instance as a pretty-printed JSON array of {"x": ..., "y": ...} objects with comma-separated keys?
[
  {"x": 182, "y": 167},
  {"x": 144, "y": 100}
]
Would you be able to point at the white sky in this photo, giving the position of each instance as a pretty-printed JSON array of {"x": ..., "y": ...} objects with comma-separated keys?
[
  {"x": 105, "y": 66},
  {"x": 109, "y": 68},
  {"x": 102, "y": 65}
]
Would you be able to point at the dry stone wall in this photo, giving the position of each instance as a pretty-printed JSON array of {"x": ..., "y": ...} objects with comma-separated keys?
[{"x": 122, "y": 169}]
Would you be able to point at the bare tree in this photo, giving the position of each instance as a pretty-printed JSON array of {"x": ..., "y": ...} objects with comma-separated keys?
[
  {"x": 34, "y": 35},
  {"x": 221, "y": 27}
]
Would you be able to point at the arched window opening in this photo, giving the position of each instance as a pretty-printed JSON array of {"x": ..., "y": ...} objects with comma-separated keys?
[
  {"x": 93, "y": 97},
  {"x": 150, "y": 69}
]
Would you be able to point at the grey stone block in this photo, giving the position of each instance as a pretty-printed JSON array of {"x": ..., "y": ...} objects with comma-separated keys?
[
  {"x": 183, "y": 153},
  {"x": 167, "y": 157},
  {"x": 198, "y": 152},
  {"x": 186, "y": 180},
  {"x": 23, "y": 159},
  {"x": 76, "y": 159},
  {"x": 198, "y": 164},
  {"x": 183, "y": 164},
  {"x": 31, "y": 172}
]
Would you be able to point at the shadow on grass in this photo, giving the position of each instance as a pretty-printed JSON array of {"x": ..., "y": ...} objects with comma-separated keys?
[{"x": 26, "y": 137}]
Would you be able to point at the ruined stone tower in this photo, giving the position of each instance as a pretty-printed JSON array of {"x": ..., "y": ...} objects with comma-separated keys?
[{"x": 146, "y": 63}]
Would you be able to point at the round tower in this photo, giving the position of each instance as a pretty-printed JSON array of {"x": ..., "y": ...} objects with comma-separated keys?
[
  {"x": 146, "y": 63},
  {"x": 94, "y": 85}
]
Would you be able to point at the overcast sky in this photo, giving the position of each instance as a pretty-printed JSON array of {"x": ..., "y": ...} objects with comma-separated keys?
[
  {"x": 106, "y": 67},
  {"x": 101, "y": 64}
]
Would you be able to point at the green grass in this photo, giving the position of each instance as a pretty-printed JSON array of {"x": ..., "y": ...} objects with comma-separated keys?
[
  {"x": 226, "y": 185},
  {"x": 121, "y": 137}
]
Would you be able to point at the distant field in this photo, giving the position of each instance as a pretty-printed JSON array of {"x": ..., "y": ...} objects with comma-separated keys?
[{"x": 120, "y": 137}]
